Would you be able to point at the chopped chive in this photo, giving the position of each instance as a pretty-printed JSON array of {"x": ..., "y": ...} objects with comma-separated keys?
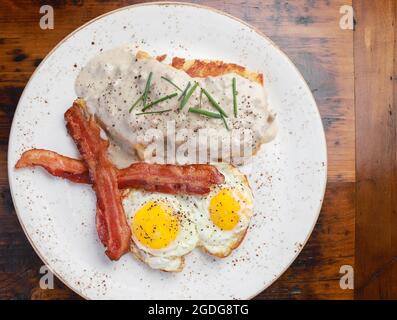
[
  {"x": 152, "y": 112},
  {"x": 184, "y": 92},
  {"x": 135, "y": 103},
  {"x": 188, "y": 95},
  {"x": 170, "y": 96},
  {"x": 214, "y": 103},
  {"x": 147, "y": 87},
  {"x": 225, "y": 123},
  {"x": 201, "y": 96},
  {"x": 205, "y": 113},
  {"x": 234, "y": 97},
  {"x": 169, "y": 81}
]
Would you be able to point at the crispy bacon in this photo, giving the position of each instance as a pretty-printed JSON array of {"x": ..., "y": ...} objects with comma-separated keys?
[
  {"x": 56, "y": 164},
  {"x": 112, "y": 225},
  {"x": 101, "y": 229},
  {"x": 166, "y": 178}
]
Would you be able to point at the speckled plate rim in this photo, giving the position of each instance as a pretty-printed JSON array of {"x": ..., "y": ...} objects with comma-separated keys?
[{"x": 161, "y": 3}]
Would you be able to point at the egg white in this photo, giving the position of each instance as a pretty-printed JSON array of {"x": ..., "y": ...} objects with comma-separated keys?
[{"x": 170, "y": 258}]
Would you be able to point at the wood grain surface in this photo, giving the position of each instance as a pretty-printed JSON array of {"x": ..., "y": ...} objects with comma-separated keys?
[
  {"x": 307, "y": 30},
  {"x": 376, "y": 109}
]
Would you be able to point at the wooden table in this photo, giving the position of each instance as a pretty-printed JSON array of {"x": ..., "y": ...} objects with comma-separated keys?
[{"x": 358, "y": 221}]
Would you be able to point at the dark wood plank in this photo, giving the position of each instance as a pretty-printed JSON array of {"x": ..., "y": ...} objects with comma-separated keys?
[
  {"x": 376, "y": 109},
  {"x": 308, "y": 31}
]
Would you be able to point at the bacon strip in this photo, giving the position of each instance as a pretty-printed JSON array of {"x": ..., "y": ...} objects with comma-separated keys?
[
  {"x": 166, "y": 178},
  {"x": 56, "y": 164},
  {"x": 110, "y": 213}
]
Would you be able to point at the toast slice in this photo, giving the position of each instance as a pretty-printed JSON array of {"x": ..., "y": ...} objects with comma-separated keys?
[{"x": 207, "y": 68}]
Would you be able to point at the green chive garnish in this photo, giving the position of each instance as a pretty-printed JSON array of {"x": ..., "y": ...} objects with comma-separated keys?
[
  {"x": 152, "y": 112},
  {"x": 169, "y": 81},
  {"x": 184, "y": 92},
  {"x": 201, "y": 96},
  {"x": 135, "y": 103},
  {"x": 188, "y": 95},
  {"x": 225, "y": 123},
  {"x": 147, "y": 87},
  {"x": 170, "y": 96},
  {"x": 205, "y": 113},
  {"x": 234, "y": 97},
  {"x": 214, "y": 103}
]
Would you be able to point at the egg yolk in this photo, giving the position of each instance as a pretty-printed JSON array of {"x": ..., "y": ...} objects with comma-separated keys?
[
  {"x": 154, "y": 225},
  {"x": 224, "y": 210}
]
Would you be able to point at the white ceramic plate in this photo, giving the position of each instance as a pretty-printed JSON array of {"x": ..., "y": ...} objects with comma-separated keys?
[{"x": 288, "y": 178}]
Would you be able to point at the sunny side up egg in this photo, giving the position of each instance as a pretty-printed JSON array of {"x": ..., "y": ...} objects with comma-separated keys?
[
  {"x": 162, "y": 229},
  {"x": 222, "y": 217},
  {"x": 167, "y": 227}
]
